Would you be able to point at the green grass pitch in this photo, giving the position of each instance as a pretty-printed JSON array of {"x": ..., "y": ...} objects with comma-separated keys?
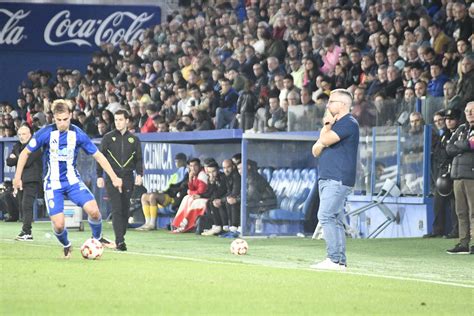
[{"x": 167, "y": 274}]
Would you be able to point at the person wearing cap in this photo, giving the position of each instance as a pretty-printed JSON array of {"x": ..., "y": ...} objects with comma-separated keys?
[
  {"x": 446, "y": 123},
  {"x": 171, "y": 195}
]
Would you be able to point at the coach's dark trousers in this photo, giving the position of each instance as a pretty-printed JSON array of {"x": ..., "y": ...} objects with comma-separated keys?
[
  {"x": 26, "y": 198},
  {"x": 120, "y": 203}
]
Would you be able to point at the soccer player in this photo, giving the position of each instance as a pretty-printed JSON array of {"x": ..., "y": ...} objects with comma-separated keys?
[{"x": 61, "y": 142}]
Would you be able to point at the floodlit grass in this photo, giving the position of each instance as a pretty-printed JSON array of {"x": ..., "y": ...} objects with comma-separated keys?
[{"x": 163, "y": 273}]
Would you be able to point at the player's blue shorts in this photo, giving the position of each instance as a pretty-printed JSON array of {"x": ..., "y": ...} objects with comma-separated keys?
[{"x": 78, "y": 193}]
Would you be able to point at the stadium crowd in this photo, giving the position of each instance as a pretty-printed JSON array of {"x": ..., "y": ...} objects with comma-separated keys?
[{"x": 243, "y": 64}]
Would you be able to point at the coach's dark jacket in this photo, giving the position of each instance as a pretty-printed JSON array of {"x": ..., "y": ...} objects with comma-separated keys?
[
  {"x": 458, "y": 147},
  {"x": 124, "y": 152},
  {"x": 33, "y": 167}
]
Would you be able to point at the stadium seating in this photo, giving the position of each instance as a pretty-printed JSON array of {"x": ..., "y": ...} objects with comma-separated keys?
[{"x": 294, "y": 188}]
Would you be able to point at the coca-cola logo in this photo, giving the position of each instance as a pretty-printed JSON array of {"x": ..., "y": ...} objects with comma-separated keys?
[
  {"x": 11, "y": 33},
  {"x": 61, "y": 29}
]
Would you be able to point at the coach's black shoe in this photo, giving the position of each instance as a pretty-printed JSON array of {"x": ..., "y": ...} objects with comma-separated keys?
[
  {"x": 107, "y": 243},
  {"x": 22, "y": 236},
  {"x": 121, "y": 246},
  {"x": 67, "y": 252},
  {"x": 459, "y": 250}
]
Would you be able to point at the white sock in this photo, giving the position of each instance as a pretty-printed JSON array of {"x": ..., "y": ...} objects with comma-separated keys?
[
  {"x": 225, "y": 228},
  {"x": 233, "y": 229}
]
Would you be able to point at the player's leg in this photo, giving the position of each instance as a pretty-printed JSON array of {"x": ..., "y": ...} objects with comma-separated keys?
[
  {"x": 80, "y": 195},
  {"x": 155, "y": 200},
  {"x": 145, "y": 199},
  {"x": 54, "y": 201}
]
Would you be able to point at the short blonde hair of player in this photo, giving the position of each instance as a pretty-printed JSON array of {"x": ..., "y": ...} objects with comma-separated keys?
[{"x": 61, "y": 102}]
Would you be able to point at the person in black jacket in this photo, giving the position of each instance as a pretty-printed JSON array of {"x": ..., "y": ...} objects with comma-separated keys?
[
  {"x": 443, "y": 204},
  {"x": 461, "y": 147},
  {"x": 232, "y": 198},
  {"x": 31, "y": 178},
  {"x": 123, "y": 150},
  {"x": 217, "y": 188}
]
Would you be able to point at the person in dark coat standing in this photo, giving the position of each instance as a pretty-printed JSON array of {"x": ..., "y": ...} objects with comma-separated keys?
[
  {"x": 461, "y": 147},
  {"x": 124, "y": 152},
  {"x": 31, "y": 178}
]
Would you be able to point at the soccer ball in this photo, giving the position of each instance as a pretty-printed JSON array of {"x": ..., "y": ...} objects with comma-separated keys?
[
  {"x": 92, "y": 249},
  {"x": 239, "y": 247}
]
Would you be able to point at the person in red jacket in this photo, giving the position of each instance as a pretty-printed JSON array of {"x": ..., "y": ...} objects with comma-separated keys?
[
  {"x": 149, "y": 126},
  {"x": 185, "y": 219}
]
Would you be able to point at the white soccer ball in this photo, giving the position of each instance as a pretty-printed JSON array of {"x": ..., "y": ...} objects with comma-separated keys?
[
  {"x": 92, "y": 249},
  {"x": 239, "y": 247}
]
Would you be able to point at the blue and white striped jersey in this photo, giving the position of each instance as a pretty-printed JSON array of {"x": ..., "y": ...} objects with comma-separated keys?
[{"x": 60, "y": 150}]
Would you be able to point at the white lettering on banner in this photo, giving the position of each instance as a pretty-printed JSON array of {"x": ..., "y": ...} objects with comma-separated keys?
[
  {"x": 157, "y": 156},
  {"x": 11, "y": 33},
  {"x": 62, "y": 30},
  {"x": 155, "y": 182}
]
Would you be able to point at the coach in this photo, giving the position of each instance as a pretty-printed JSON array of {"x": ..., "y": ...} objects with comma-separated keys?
[
  {"x": 124, "y": 152},
  {"x": 337, "y": 151}
]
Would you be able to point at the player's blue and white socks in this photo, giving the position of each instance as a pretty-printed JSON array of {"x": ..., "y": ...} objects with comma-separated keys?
[
  {"x": 62, "y": 237},
  {"x": 96, "y": 227}
]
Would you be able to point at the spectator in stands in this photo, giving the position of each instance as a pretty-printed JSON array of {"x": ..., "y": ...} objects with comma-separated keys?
[
  {"x": 246, "y": 107},
  {"x": 172, "y": 195},
  {"x": 361, "y": 36},
  {"x": 288, "y": 86},
  {"x": 438, "y": 79},
  {"x": 451, "y": 99},
  {"x": 379, "y": 83},
  {"x": 197, "y": 185},
  {"x": 330, "y": 55},
  {"x": 463, "y": 29},
  {"x": 439, "y": 40},
  {"x": 466, "y": 82},
  {"x": 362, "y": 110},
  {"x": 225, "y": 113},
  {"x": 461, "y": 147},
  {"x": 108, "y": 118},
  {"x": 278, "y": 117},
  {"x": 149, "y": 125}
]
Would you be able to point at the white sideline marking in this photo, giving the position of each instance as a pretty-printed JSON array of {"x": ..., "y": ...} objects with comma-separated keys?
[{"x": 266, "y": 265}]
